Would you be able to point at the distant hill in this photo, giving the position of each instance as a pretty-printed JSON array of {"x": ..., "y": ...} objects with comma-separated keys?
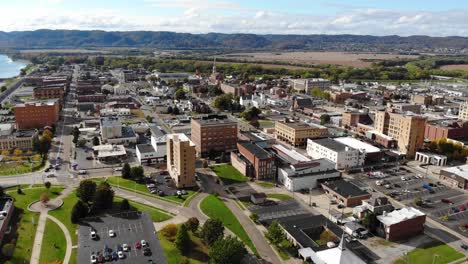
[{"x": 170, "y": 40}]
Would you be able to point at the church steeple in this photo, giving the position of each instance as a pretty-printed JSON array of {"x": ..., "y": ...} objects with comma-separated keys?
[{"x": 214, "y": 65}]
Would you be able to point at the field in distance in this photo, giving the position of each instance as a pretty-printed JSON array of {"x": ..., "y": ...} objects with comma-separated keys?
[
  {"x": 354, "y": 59},
  {"x": 455, "y": 67}
]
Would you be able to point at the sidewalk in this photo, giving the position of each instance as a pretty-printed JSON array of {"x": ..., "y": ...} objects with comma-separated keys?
[{"x": 36, "y": 251}]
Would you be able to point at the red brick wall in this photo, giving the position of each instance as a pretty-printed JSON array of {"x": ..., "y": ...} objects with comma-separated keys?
[
  {"x": 32, "y": 116},
  {"x": 406, "y": 229}
]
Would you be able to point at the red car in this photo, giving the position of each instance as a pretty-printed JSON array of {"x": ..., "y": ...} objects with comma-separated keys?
[
  {"x": 462, "y": 207},
  {"x": 138, "y": 245},
  {"x": 445, "y": 200}
]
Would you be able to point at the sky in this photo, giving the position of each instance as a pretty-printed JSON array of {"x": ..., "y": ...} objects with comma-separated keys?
[{"x": 360, "y": 17}]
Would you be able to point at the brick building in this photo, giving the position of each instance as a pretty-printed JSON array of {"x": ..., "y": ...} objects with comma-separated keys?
[
  {"x": 351, "y": 119},
  {"x": 56, "y": 91},
  {"x": 345, "y": 192},
  {"x": 297, "y": 133},
  {"x": 37, "y": 114},
  {"x": 402, "y": 224},
  {"x": 260, "y": 163},
  {"x": 181, "y": 160},
  {"x": 213, "y": 133},
  {"x": 445, "y": 129}
]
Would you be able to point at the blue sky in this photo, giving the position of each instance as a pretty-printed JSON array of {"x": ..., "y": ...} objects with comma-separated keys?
[{"x": 374, "y": 17}]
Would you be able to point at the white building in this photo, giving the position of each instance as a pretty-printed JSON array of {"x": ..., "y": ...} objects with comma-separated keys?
[
  {"x": 115, "y": 112},
  {"x": 306, "y": 85},
  {"x": 430, "y": 158},
  {"x": 254, "y": 100},
  {"x": 343, "y": 156},
  {"x": 107, "y": 152},
  {"x": 304, "y": 175},
  {"x": 111, "y": 127}
]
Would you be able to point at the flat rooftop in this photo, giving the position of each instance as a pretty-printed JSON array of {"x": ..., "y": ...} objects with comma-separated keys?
[
  {"x": 344, "y": 188},
  {"x": 145, "y": 148},
  {"x": 301, "y": 125},
  {"x": 330, "y": 144},
  {"x": 461, "y": 171},
  {"x": 214, "y": 120},
  {"x": 399, "y": 216},
  {"x": 256, "y": 150},
  {"x": 291, "y": 154},
  {"x": 357, "y": 144}
]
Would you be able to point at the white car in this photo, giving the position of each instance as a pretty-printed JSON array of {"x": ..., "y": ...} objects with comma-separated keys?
[
  {"x": 111, "y": 233},
  {"x": 125, "y": 247},
  {"x": 93, "y": 234},
  {"x": 378, "y": 183},
  {"x": 403, "y": 178},
  {"x": 387, "y": 186},
  {"x": 121, "y": 255},
  {"x": 144, "y": 243},
  {"x": 93, "y": 259}
]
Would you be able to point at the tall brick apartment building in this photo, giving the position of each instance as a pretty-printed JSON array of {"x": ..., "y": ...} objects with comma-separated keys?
[
  {"x": 37, "y": 114},
  {"x": 214, "y": 133}
]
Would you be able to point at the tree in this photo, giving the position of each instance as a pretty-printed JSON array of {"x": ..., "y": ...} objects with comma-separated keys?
[
  {"x": 96, "y": 141},
  {"x": 228, "y": 250},
  {"x": 418, "y": 201},
  {"x": 180, "y": 94},
  {"x": 137, "y": 173},
  {"x": 192, "y": 224},
  {"x": 223, "y": 102},
  {"x": 79, "y": 211},
  {"x": 86, "y": 191},
  {"x": 47, "y": 184},
  {"x": 45, "y": 198},
  {"x": 2, "y": 191},
  {"x": 17, "y": 152},
  {"x": 149, "y": 119},
  {"x": 182, "y": 241},
  {"x": 205, "y": 164},
  {"x": 3, "y": 88},
  {"x": 254, "y": 217},
  {"x": 275, "y": 233},
  {"x": 211, "y": 231},
  {"x": 125, "y": 205},
  {"x": 324, "y": 119},
  {"x": 370, "y": 221},
  {"x": 176, "y": 111},
  {"x": 76, "y": 134},
  {"x": 8, "y": 249},
  {"x": 104, "y": 197},
  {"x": 126, "y": 171},
  {"x": 169, "y": 230},
  {"x": 81, "y": 142},
  {"x": 170, "y": 110}
]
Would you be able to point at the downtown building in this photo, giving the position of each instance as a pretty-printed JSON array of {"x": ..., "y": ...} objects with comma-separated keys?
[
  {"x": 37, "y": 114},
  {"x": 213, "y": 133},
  {"x": 181, "y": 160}
]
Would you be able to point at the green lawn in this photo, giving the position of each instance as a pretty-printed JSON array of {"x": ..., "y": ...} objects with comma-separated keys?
[
  {"x": 215, "y": 208},
  {"x": 27, "y": 230},
  {"x": 156, "y": 214},
  {"x": 54, "y": 243},
  {"x": 279, "y": 196},
  {"x": 197, "y": 255},
  {"x": 266, "y": 123},
  {"x": 63, "y": 214},
  {"x": 141, "y": 188},
  {"x": 13, "y": 168},
  {"x": 229, "y": 174},
  {"x": 265, "y": 184},
  {"x": 74, "y": 256},
  {"x": 426, "y": 254}
]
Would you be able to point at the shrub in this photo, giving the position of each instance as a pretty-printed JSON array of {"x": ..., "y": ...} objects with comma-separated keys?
[
  {"x": 192, "y": 224},
  {"x": 169, "y": 231}
]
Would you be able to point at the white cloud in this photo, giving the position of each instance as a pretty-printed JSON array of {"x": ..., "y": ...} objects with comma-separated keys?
[{"x": 224, "y": 16}]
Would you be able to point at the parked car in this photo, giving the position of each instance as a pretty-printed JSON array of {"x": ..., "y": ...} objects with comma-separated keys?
[
  {"x": 100, "y": 259},
  {"x": 93, "y": 234},
  {"x": 111, "y": 233},
  {"x": 387, "y": 186},
  {"x": 93, "y": 259},
  {"x": 125, "y": 247},
  {"x": 143, "y": 243},
  {"x": 47, "y": 170},
  {"x": 138, "y": 245},
  {"x": 147, "y": 251},
  {"x": 455, "y": 210},
  {"x": 464, "y": 246},
  {"x": 446, "y": 200},
  {"x": 115, "y": 256},
  {"x": 121, "y": 255},
  {"x": 89, "y": 158}
]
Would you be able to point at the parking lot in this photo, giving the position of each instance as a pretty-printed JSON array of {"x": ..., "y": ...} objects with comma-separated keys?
[
  {"x": 129, "y": 228},
  {"x": 438, "y": 199}
]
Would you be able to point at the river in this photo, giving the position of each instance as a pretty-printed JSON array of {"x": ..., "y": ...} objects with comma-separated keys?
[{"x": 10, "y": 68}]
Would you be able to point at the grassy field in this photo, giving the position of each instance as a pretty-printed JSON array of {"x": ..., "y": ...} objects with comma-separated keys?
[
  {"x": 13, "y": 168},
  {"x": 156, "y": 214},
  {"x": 197, "y": 255},
  {"x": 26, "y": 229},
  {"x": 279, "y": 196},
  {"x": 215, "y": 208},
  {"x": 265, "y": 184},
  {"x": 54, "y": 243},
  {"x": 63, "y": 214},
  {"x": 141, "y": 188},
  {"x": 266, "y": 123},
  {"x": 229, "y": 174},
  {"x": 423, "y": 255}
]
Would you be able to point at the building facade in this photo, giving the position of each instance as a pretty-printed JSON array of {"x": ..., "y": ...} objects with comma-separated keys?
[
  {"x": 50, "y": 92},
  {"x": 213, "y": 133},
  {"x": 181, "y": 160},
  {"x": 297, "y": 133},
  {"x": 407, "y": 129},
  {"x": 463, "y": 111},
  {"x": 343, "y": 156},
  {"x": 37, "y": 114},
  {"x": 261, "y": 161},
  {"x": 402, "y": 224},
  {"x": 445, "y": 129}
]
